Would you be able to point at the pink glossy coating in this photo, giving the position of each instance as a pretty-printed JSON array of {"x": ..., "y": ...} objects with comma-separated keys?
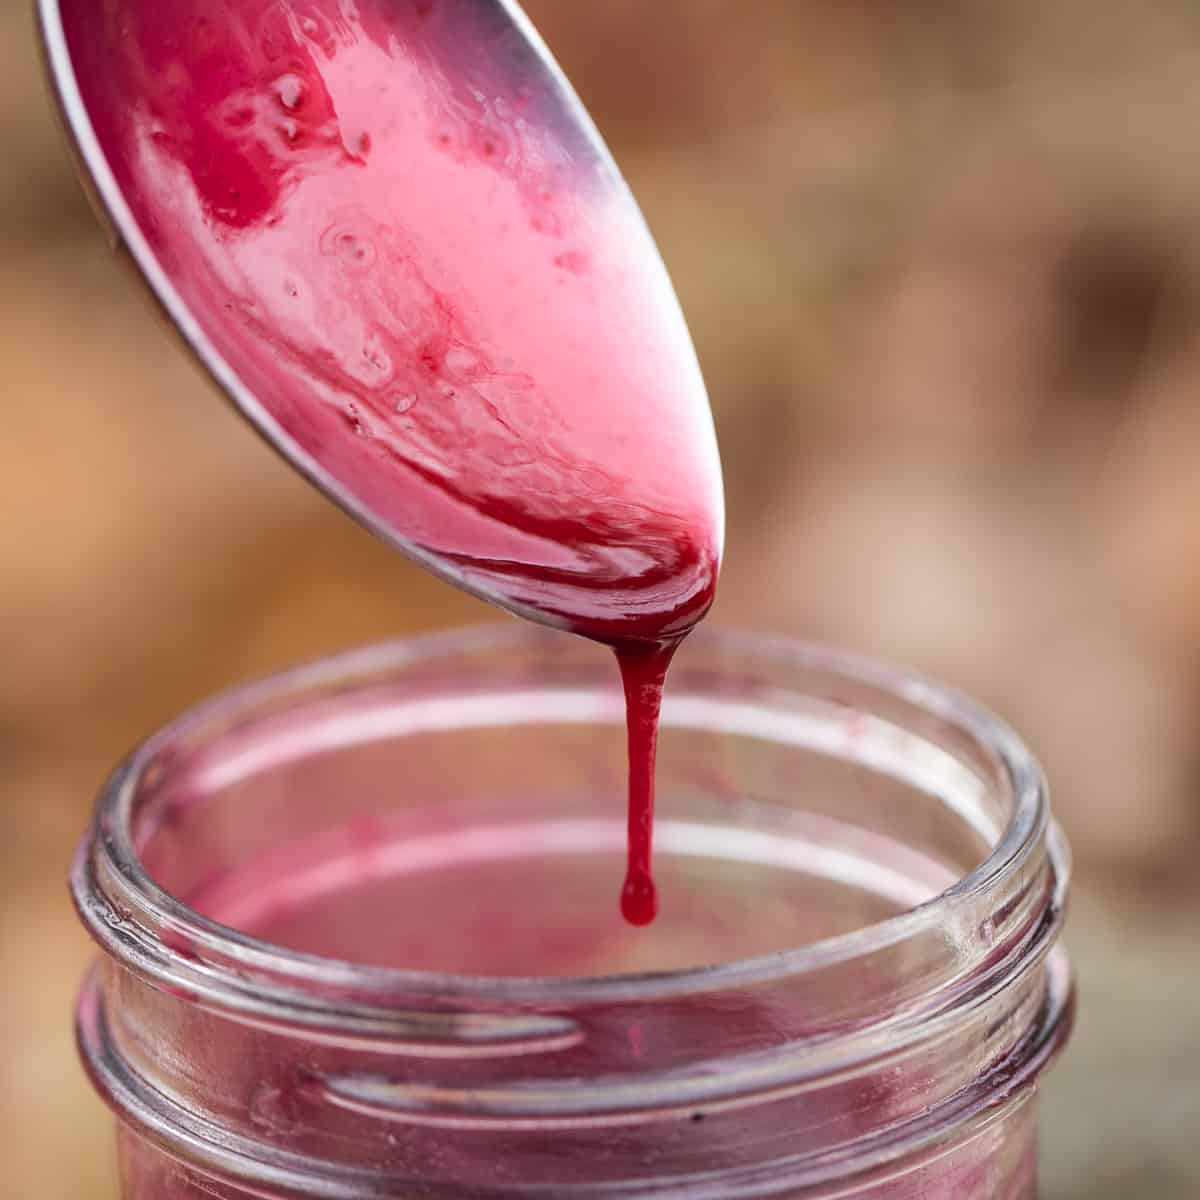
[
  {"x": 395, "y": 234},
  {"x": 391, "y": 230}
]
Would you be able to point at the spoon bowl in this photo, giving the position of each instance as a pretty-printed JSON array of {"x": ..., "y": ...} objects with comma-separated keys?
[{"x": 391, "y": 234}]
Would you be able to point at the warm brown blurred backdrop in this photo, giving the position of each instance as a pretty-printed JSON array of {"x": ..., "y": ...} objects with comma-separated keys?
[{"x": 942, "y": 264}]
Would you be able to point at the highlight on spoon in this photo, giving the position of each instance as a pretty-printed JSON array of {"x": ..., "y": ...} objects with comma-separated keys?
[{"x": 391, "y": 233}]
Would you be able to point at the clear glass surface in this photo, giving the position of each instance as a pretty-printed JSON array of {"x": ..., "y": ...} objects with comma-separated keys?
[{"x": 361, "y": 935}]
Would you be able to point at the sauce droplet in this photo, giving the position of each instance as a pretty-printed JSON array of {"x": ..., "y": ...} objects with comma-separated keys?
[{"x": 643, "y": 674}]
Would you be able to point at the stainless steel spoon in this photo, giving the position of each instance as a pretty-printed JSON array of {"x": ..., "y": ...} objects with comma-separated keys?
[{"x": 392, "y": 235}]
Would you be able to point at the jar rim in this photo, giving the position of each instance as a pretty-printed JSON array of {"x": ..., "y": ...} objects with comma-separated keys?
[{"x": 110, "y": 844}]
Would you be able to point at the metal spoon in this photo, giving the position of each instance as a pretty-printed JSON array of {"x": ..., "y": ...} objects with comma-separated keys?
[{"x": 392, "y": 235}]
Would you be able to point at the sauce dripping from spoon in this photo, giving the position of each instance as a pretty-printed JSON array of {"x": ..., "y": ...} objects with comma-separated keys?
[{"x": 393, "y": 235}]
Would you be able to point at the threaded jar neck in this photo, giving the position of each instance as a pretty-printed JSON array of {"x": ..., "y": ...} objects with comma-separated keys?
[{"x": 812, "y": 789}]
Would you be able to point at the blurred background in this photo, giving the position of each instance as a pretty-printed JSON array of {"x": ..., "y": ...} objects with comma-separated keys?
[{"x": 942, "y": 264}]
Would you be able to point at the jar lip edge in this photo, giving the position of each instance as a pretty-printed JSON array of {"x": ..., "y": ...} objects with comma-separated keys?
[{"x": 109, "y": 835}]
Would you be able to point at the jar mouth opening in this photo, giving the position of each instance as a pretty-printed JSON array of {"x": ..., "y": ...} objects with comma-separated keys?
[{"x": 127, "y": 893}]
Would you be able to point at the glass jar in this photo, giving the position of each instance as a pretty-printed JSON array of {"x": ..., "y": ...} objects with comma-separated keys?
[{"x": 361, "y": 936}]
